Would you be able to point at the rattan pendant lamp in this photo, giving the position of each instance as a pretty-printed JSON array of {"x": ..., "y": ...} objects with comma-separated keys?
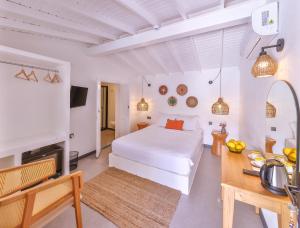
[
  {"x": 220, "y": 107},
  {"x": 142, "y": 105}
]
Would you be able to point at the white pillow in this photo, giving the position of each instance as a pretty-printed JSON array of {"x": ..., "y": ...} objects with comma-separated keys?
[
  {"x": 164, "y": 117},
  {"x": 191, "y": 123}
]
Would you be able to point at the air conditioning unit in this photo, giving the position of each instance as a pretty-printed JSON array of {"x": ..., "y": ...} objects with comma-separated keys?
[{"x": 264, "y": 29}]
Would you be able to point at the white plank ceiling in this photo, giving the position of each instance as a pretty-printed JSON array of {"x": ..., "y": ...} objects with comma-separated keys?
[{"x": 100, "y": 21}]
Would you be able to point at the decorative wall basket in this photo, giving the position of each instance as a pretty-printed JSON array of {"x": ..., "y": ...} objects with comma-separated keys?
[
  {"x": 192, "y": 102},
  {"x": 163, "y": 90},
  {"x": 172, "y": 101},
  {"x": 182, "y": 89}
]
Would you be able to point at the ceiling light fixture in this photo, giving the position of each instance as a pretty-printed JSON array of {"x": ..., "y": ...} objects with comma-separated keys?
[
  {"x": 142, "y": 105},
  {"x": 265, "y": 65},
  {"x": 220, "y": 107}
]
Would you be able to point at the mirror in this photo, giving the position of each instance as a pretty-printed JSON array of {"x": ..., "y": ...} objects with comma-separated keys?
[{"x": 281, "y": 115}]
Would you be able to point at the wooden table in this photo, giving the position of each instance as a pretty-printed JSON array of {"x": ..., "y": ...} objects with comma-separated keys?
[
  {"x": 247, "y": 189},
  {"x": 142, "y": 125},
  {"x": 219, "y": 140}
]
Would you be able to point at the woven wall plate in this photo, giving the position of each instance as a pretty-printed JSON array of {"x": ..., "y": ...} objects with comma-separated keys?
[
  {"x": 163, "y": 90},
  {"x": 192, "y": 102},
  {"x": 172, "y": 101},
  {"x": 182, "y": 89}
]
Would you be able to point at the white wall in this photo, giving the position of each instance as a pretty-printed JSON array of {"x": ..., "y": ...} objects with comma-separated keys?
[
  {"x": 31, "y": 108},
  {"x": 254, "y": 91},
  {"x": 85, "y": 71},
  {"x": 197, "y": 83}
]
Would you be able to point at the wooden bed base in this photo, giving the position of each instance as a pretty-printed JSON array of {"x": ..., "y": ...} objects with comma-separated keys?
[{"x": 180, "y": 182}]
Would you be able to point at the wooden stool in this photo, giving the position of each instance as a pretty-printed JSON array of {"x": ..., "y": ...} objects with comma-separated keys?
[{"x": 218, "y": 141}]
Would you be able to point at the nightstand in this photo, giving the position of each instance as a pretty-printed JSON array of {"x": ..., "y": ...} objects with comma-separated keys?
[
  {"x": 219, "y": 140},
  {"x": 142, "y": 125}
]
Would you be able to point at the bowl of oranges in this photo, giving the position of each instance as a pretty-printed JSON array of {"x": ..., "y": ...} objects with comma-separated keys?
[
  {"x": 290, "y": 153},
  {"x": 236, "y": 146}
]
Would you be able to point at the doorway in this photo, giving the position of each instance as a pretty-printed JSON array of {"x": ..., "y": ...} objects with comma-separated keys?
[
  {"x": 104, "y": 107},
  {"x": 112, "y": 114},
  {"x": 108, "y": 114}
]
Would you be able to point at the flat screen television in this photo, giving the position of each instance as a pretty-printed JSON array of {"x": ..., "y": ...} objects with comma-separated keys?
[{"x": 78, "y": 96}]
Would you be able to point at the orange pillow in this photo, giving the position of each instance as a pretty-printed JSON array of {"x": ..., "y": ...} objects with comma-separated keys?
[{"x": 174, "y": 124}]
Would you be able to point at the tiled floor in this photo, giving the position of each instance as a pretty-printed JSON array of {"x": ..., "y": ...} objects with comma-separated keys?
[
  {"x": 202, "y": 208},
  {"x": 107, "y": 136}
]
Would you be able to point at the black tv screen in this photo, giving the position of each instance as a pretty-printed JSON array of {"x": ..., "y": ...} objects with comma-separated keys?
[{"x": 78, "y": 96}]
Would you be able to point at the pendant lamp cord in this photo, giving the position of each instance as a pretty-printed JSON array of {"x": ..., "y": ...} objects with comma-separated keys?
[
  {"x": 142, "y": 87},
  {"x": 221, "y": 61}
]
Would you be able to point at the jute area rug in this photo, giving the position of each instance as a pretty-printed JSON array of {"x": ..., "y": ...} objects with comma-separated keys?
[{"x": 130, "y": 201}]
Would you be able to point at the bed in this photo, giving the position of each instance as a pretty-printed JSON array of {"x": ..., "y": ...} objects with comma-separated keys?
[{"x": 169, "y": 157}]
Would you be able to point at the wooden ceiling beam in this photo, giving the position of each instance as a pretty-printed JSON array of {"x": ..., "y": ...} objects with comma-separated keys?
[
  {"x": 121, "y": 58},
  {"x": 139, "y": 10},
  {"x": 157, "y": 59},
  {"x": 179, "y": 4},
  {"x": 119, "y": 25},
  {"x": 22, "y": 26},
  {"x": 22, "y": 10},
  {"x": 219, "y": 19},
  {"x": 174, "y": 55},
  {"x": 142, "y": 62}
]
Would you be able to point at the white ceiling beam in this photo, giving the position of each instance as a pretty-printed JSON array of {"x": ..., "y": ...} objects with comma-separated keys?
[
  {"x": 142, "y": 62},
  {"x": 174, "y": 55},
  {"x": 4, "y": 22},
  {"x": 211, "y": 21},
  {"x": 22, "y": 10},
  {"x": 121, "y": 58},
  {"x": 179, "y": 4},
  {"x": 196, "y": 52},
  {"x": 119, "y": 25},
  {"x": 157, "y": 59},
  {"x": 139, "y": 10}
]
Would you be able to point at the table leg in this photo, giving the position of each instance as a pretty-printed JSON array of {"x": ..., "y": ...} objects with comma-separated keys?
[
  {"x": 228, "y": 207},
  {"x": 284, "y": 217}
]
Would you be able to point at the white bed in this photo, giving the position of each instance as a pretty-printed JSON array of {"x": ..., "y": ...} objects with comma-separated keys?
[{"x": 169, "y": 157}]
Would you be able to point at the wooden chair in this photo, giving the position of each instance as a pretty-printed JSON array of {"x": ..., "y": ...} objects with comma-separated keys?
[{"x": 29, "y": 199}]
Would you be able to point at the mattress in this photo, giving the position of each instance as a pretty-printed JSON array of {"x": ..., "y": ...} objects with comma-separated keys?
[{"x": 166, "y": 149}]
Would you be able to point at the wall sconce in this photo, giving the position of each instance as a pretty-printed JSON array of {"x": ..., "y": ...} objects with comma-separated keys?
[{"x": 265, "y": 65}]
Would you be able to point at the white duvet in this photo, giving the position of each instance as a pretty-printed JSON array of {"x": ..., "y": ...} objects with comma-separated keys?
[{"x": 171, "y": 150}]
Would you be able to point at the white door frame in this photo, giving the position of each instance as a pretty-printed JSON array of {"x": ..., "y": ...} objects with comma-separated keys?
[
  {"x": 98, "y": 119},
  {"x": 98, "y": 115}
]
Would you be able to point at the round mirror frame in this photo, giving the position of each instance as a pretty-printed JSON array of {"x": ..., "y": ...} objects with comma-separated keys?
[{"x": 296, "y": 103}]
